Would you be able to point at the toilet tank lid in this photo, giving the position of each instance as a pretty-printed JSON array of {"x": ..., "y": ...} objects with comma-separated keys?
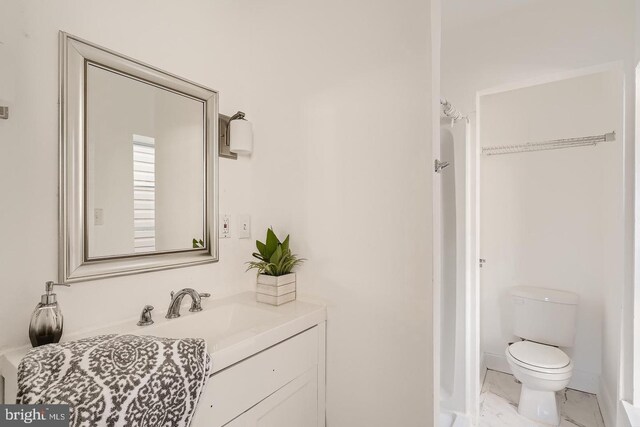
[{"x": 544, "y": 294}]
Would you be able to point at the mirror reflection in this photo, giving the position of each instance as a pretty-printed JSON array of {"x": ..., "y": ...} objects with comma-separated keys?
[{"x": 145, "y": 167}]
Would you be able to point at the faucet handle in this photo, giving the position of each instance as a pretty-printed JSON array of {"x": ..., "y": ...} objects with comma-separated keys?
[
  {"x": 195, "y": 304},
  {"x": 145, "y": 316}
]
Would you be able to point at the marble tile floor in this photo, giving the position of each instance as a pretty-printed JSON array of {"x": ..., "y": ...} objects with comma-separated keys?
[{"x": 499, "y": 400}]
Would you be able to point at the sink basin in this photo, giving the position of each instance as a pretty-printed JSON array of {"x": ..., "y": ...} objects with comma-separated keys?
[{"x": 216, "y": 325}]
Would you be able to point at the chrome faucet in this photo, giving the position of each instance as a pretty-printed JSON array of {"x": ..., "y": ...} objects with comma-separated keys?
[{"x": 176, "y": 301}]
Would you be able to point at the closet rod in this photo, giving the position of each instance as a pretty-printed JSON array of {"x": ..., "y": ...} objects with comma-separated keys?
[{"x": 555, "y": 144}]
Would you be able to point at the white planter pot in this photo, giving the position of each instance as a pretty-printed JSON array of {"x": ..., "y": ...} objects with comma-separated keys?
[{"x": 276, "y": 290}]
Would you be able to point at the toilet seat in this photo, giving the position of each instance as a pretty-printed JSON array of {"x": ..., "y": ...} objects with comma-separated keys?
[{"x": 540, "y": 358}]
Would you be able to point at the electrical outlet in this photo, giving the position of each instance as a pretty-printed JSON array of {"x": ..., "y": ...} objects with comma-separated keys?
[
  {"x": 225, "y": 226},
  {"x": 244, "y": 226}
]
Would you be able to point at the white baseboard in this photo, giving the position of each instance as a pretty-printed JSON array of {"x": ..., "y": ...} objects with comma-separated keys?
[
  {"x": 580, "y": 380},
  {"x": 497, "y": 362},
  {"x": 607, "y": 406},
  {"x": 483, "y": 371}
]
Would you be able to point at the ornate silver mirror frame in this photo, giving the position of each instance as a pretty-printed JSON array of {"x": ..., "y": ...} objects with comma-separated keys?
[{"x": 74, "y": 263}]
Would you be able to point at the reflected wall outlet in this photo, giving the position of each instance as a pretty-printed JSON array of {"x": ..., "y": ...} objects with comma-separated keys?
[
  {"x": 244, "y": 226},
  {"x": 225, "y": 226}
]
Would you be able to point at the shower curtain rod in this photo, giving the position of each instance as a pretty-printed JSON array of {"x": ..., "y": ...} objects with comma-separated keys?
[
  {"x": 555, "y": 144},
  {"x": 450, "y": 111}
]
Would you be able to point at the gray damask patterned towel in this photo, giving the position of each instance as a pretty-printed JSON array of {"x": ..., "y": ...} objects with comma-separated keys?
[{"x": 118, "y": 380}]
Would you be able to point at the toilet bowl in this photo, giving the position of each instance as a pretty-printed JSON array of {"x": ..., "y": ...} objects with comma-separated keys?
[{"x": 543, "y": 370}]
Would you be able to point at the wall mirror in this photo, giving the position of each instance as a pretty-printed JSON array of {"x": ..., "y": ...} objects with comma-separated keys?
[{"x": 138, "y": 166}]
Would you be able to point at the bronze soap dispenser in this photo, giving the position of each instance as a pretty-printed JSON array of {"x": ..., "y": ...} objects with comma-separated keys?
[{"x": 46, "y": 320}]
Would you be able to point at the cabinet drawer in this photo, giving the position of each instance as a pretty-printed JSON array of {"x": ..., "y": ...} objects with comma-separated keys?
[
  {"x": 294, "y": 405},
  {"x": 232, "y": 391}
]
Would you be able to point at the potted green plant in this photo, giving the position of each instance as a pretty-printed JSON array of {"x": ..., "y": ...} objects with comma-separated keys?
[{"x": 276, "y": 279}]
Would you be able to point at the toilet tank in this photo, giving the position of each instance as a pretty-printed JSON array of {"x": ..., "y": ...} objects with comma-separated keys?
[{"x": 543, "y": 315}]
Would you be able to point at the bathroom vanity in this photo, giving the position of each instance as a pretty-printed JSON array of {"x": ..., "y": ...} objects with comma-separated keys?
[{"x": 269, "y": 362}]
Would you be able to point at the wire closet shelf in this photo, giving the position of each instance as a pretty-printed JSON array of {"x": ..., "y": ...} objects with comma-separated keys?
[{"x": 555, "y": 144}]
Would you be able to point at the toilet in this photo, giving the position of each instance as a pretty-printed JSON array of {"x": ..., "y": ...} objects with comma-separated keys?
[{"x": 544, "y": 319}]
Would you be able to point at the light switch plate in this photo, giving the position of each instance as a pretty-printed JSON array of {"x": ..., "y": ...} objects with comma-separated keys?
[
  {"x": 225, "y": 226},
  {"x": 244, "y": 226},
  {"x": 98, "y": 216}
]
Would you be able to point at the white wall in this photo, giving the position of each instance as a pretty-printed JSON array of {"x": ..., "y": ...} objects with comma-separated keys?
[
  {"x": 351, "y": 134},
  {"x": 339, "y": 95},
  {"x": 110, "y": 146},
  {"x": 552, "y": 219},
  {"x": 179, "y": 153},
  {"x": 534, "y": 38},
  {"x": 631, "y": 330},
  {"x": 518, "y": 43}
]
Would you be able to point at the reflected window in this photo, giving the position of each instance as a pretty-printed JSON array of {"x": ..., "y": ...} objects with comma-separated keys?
[{"x": 144, "y": 194}]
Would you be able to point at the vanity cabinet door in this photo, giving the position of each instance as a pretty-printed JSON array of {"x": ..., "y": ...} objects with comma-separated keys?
[{"x": 294, "y": 405}]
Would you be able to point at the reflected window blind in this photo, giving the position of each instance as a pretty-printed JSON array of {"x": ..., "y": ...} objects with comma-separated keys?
[{"x": 144, "y": 194}]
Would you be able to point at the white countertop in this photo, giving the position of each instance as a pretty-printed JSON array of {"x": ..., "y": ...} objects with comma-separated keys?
[{"x": 235, "y": 328}]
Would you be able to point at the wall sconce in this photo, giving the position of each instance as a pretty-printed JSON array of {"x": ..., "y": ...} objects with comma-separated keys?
[{"x": 236, "y": 135}]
